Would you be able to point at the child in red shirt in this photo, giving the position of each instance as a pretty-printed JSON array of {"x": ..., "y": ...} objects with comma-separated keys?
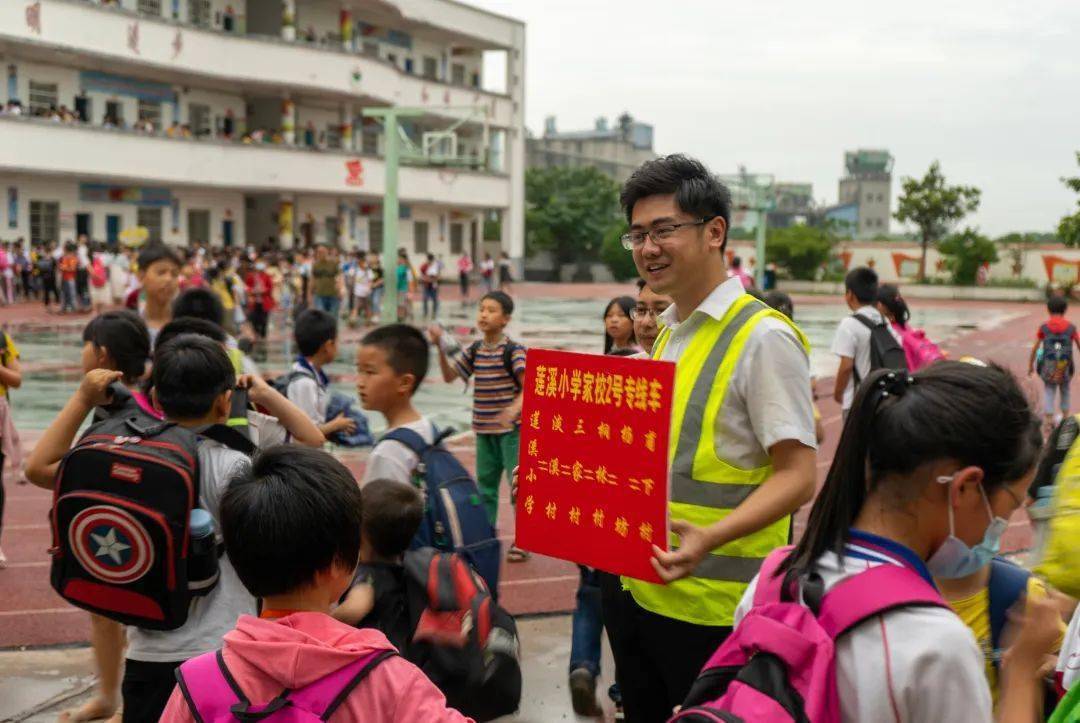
[
  {"x": 69, "y": 268},
  {"x": 1052, "y": 353}
]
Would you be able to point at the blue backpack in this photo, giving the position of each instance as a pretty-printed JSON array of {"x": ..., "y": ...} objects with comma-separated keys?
[{"x": 454, "y": 518}]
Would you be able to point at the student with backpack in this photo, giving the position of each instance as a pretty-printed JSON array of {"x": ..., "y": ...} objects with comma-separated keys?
[
  {"x": 135, "y": 515},
  {"x": 293, "y": 661},
  {"x": 863, "y": 341},
  {"x": 417, "y": 598},
  {"x": 1052, "y": 354},
  {"x": 10, "y": 444},
  {"x": 850, "y": 617},
  {"x": 498, "y": 364},
  {"x": 307, "y": 385},
  {"x": 391, "y": 363},
  {"x": 919, "y": 351}
]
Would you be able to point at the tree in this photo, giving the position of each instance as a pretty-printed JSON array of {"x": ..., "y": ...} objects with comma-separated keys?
[
  {"x": 568, "y": 211},
  {"x": 1069, "y": 227},
  {"x": 965, "y": 251},
  {"x": 1015, "y": 244},
  {"x": 799, "y": 249},
  {"x": 934, "y": 207},
  {"x": 618, "y": 260}
]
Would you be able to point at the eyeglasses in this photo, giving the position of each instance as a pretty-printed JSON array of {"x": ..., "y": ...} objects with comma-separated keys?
[
  {"x": 634, "y": 239},
  {"x": 642, "y": 314}
]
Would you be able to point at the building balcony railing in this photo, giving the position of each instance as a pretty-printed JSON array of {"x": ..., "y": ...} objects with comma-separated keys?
[
  {"x": 301, "y": 67},
  {"x": 42, "y": 146}
]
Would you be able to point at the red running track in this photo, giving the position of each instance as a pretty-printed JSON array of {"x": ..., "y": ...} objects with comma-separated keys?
[{"x": 32, "y": 615}]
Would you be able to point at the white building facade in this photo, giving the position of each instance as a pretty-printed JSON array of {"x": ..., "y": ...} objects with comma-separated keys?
[{"x": 241, "y": 122}]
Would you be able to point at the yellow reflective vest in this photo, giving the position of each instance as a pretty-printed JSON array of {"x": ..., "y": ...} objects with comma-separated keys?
[{"x": 705, "y": 488}]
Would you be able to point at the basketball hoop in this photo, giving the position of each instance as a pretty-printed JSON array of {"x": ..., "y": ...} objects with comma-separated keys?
[{"x": 448, "y": 176}]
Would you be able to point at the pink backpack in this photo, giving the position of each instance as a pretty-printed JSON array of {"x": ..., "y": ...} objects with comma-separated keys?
[
  {"x": 214, "y": 697},
  {"x": 779, "y": 663},
  {"x": 919, "y": 350}
]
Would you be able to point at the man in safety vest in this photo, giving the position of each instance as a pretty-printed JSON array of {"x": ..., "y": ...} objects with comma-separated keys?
[{"x": 742, "y": 437}]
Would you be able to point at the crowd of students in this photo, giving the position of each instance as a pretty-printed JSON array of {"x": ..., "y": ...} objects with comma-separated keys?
[{"x": 898, "y": 564}]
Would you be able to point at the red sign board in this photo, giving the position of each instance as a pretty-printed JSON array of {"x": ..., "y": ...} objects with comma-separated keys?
[{"x": 593, "y": 465}]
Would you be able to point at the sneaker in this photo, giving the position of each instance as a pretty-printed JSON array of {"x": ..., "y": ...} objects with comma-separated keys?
[
  {"x": 3, "y": 560},
  {"x": 516, "y": 554},
  {"x": 583, "y": 693}
]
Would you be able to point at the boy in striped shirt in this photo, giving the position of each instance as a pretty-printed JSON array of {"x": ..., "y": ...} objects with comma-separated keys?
[{"x": 497, "y": 364}]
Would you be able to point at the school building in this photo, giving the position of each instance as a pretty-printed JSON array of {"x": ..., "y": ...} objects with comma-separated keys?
[{"x": 242, "y": 122}]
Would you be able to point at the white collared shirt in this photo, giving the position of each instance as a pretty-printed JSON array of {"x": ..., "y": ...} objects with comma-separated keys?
[
  {"x": 853, "y": 341},
  {"x": 769, "y": 397}
]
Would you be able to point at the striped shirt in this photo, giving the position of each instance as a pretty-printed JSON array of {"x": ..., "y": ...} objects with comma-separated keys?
[{"x": 493, "y": 389}]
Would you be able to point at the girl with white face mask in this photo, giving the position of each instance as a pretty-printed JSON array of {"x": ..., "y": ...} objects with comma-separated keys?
[{"x": 928, "y": 470}]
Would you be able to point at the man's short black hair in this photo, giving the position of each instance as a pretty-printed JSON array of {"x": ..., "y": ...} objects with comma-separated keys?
[
  {"x": 781, "y": 302},
  {"x": 502, "y": 299},
  {"x": 406, "y": 349},
  {"x": 123, "y": 334},
  {"x": 156, "y": 251},
  {"x": 189, "y": 325},
  {"x": 392, "y": 514},
  {"x": 189, "y": 373},
  {"x": 1057, "y": 304},
  {"x": 294, "y": 512},
  {"x": 200, "y": 304},
  {"x": 314, "y": 327},
  {"x": 697, "y": 191},
  {"x": 862, "y": 281}
]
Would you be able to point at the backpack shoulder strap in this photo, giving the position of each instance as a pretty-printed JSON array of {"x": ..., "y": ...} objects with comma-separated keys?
[
  {"x": 208, "y": 687},
  {"x": 230, "y": 436},
  {"x": 325, "y": 695},
  {"x": 865, "y": 322},
  {"x": 1008, "y": 583},
  {"x": 878, "y": 590},
  {"x": 769, "y": 584},
  {"x": 409, "y": 438}
]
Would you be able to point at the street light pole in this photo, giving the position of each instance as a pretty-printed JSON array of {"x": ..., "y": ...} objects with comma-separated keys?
[
  {"x": 759, "y": 267},
  {"x": 390, "y": 220}
]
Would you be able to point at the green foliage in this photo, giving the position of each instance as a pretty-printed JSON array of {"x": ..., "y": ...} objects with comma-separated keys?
[
  {"x": 1016, "y": 243},
  {"x": 742, "y": 234},
  {"x": 618, "y": 260},
  {"x": 965, "y": 252},
  {"x": 934, "y": 207},
  {"x": 799, "y": 249},
  {"x": 1069, "y": 227},
  {"x": 568, "y": 211}
]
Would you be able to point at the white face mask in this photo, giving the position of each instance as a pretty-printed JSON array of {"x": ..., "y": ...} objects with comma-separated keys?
[{"x": 955, "y": 558}]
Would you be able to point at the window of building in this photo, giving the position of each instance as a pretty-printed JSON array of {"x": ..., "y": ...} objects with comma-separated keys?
[
  {"x": 457, "y": 74},
  {"x": 199, "y": 119},
  {"x": 431, "y": 68},
  {"x": 198, "y": 225},
  {"x": 199, "y": 13},
  {"x": 332, "y": 230},
  {"x": 150, "y": 110},
  {"x": 151, "y": 219},
  {"x": 43, "y": 97},
  {"x": 369, "y": 141},
  {"x": 114, "y": 111},
  {"x": 44, "y": 221},
  {"x": 457, "y": 238},
  {"x": 420, "y": 237},
  {"x": 150, "y": 7},
  {"x": 880, "y": 198},
  {"x": 333, "y": 135},
  {"x": 375, "y": 235}
]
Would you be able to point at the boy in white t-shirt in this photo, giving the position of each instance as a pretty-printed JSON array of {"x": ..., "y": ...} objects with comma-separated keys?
[
  {"x": 852, "y": 341},
  {"x": 391, "y": 362},
  {"x": 361, "y": 291}
]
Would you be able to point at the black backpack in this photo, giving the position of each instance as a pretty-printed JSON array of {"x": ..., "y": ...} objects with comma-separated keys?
[
  {"x": 122, "y": 503},
  {"x": 507, "y": 358},
  {"x": 462, "y": 640},
  {"x": 885, "y": 351}
]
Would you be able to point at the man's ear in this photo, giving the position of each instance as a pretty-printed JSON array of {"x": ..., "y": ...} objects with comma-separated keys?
[
  {"x": 223, "y": 404},
  {"x": 716, "y": 234}
]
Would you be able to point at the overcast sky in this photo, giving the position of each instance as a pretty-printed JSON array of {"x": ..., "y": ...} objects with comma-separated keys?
[{"x": 989, "y": 88}]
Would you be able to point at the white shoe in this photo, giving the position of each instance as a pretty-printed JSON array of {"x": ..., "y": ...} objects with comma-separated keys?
[{"x": 3, "y": 560}]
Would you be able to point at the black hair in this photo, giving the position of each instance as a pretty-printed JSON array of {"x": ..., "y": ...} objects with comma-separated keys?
[
  {"x": 888, "y": 295},
  {"x": 156, "y": 251},
  {"x": 200, "y": 304},
  {"x": 950, "y": 410},
  {"x": 189, "y": 325},
  {"x": 190, "y": 372},
  {"x": 640, "y": 285},
  {"x": 736, "y": 262},
  {"x": 392, "y": 514},
  {"x": 292, "y": 513},
  {"x": 123, "y": 334},
  {"x": 1057, "y": 304},
  {"x": 862, "y": 281},
  {"x": 502, "y": 299},
  {"x": 406, "y": 349},
  {"x": 697, "y": 191},
  {"x": 314, "y": 327},
  {"x": 622, "y": 352},
  {"x": 781, "y": 302},
  {"x": 627, "y": 304}
]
